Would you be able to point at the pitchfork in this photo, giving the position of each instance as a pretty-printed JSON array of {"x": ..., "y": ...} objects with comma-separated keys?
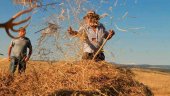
[{"x": 10, "y": 24}]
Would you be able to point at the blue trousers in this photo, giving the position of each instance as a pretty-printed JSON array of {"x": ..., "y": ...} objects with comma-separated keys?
[{"x": 17, "y": 62}]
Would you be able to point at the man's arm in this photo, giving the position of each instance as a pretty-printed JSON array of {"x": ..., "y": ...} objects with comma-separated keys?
[
  {"x": 72, "y": 32},
  {"x": 9, "y": 52},
  {"x": 109, "y": 34},
  {"x": 81, "y": 33},
  {"x": 30, "y": 52}
]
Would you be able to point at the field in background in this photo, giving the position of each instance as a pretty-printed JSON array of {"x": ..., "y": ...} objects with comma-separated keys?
[{"x": 159, "y": 82}]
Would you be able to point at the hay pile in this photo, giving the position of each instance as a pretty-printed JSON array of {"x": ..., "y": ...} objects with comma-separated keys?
[{"x": 84, "y": 78}]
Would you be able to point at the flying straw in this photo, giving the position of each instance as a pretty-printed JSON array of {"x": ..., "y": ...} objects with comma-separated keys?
[
  {"x": 126, "y": 13},
  {"x": 115, "y": 3},
  {"x": 123, "y": 30}
]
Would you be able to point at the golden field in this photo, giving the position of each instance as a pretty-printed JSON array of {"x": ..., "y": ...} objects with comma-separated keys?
[{"x": 159, "y": 82}]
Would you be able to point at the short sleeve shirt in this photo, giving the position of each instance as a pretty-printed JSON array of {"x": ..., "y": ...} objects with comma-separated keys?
[{"x": 19, "y": 46}]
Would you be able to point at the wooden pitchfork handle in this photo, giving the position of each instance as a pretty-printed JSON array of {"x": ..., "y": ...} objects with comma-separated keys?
[{"x": 101, "y": 47}]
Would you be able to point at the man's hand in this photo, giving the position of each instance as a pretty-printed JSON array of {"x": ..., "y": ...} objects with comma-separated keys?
[
  {"x": 71, "y": 31},
  {"x": 9, "y": 58},
  {"x": 26, "y": 59},
  {"x": 111, "y": 33}
]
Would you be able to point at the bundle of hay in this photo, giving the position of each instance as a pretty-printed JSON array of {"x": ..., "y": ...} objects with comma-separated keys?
[{"x": 84, "y": 78}]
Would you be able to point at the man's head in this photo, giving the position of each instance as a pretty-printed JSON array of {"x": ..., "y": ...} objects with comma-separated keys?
[
  {"x": 22, "y": 32},
  {"x": 92, "y": 18}
]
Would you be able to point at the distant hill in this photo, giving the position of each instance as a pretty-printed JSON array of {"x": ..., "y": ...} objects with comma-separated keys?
[{"x": 162, "y": 68}]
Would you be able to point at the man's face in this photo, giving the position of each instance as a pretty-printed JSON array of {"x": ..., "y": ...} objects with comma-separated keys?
[
  {"x": 87, "y": 20},
  {"x": 22, "y": 33},
  {"x": 91, "y": 21}
]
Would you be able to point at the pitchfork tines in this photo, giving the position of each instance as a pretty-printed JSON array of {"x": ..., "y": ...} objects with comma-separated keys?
[{"x": 10, "y": 24}]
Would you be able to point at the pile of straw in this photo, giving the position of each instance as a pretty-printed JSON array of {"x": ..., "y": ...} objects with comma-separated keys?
[{"x": 83, "y": 78}]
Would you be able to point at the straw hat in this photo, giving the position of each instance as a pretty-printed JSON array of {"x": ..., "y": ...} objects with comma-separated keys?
[{"x": 92, "y": 14}]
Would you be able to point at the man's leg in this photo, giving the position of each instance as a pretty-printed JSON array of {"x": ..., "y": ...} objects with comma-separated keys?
[
  {"x": 87, "y": 56},
  {"x": 100, "y": 57},
  {"x": 13, "y": 65},
  {"x": 21, "y": 67}
]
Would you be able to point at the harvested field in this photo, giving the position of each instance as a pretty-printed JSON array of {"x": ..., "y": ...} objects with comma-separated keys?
[{"x": 158, "y": 81}]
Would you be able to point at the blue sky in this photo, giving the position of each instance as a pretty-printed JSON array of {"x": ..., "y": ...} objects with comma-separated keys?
[{"x": 147, "y": 45}]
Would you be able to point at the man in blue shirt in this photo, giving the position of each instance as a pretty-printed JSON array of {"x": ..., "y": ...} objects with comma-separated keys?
[
  {"x": 19, "y": 50},
  {"x": 93, "y": 34}
]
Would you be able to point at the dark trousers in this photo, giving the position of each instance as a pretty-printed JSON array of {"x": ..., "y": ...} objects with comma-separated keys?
[
  {"x": 89, "y": 56},
  {"x": 17, "y": 62}
]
